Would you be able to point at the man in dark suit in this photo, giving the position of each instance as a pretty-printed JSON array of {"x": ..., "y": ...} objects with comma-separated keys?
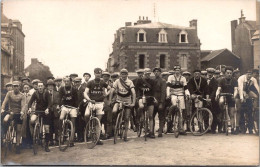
[
  {"x": 86, "y": 77},
  {"x": 214, "y": 108},
  {"x": 55, "y": 99}
]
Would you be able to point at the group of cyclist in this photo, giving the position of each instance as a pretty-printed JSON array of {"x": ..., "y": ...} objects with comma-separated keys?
[{"x": 68, "y": 95}]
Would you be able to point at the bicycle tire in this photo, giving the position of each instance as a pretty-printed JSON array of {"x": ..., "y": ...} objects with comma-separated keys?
[
  {"x": 145, "y": 125},
  {"x": 92, "y": 132},
  {"x": 66, "y": 135},
  {"x": 117, "y": 127},
  {"x": 201, "y": 128},
  {"x": 36, "y": 138},
  {"x": 7, "y": 141},
  {"x": 140, "y": 127},
  {"x": 176, "y": 124}
]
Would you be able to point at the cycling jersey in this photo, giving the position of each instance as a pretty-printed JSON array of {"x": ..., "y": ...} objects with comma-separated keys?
[
  {"x": 14, "y": 100},
  {"x": 68, "y": 96},
  {"x": 227, "y": 85},
  {"x": 145, "y": 83},
  {"x": 42, "y": 100},
  {"x": 96, "y": 90},
  {"x": 177, "y": 84},
  {"x": 123, "y": 87}
]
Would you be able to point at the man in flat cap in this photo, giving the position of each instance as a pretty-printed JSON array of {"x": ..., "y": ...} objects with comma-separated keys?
[
  {"x": 86, "y": 77},
  {"x": 58, "y": 83},
  {"x": 73, "y": 76},
  {"x": 25, "y": 80}
]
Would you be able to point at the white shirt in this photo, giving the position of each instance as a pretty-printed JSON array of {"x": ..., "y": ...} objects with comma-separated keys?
[{"x": 241, "y": 81}]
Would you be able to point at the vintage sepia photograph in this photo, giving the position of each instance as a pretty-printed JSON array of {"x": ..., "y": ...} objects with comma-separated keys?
[{"x": 130, "y": 82}]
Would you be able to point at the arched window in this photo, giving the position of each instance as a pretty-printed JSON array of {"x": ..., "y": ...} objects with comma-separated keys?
[{"x": 162, "y": 36}]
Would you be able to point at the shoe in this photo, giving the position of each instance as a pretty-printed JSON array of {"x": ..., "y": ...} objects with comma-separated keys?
[
  {"x": 232, "y": 131},
  {"x": 99, "y": 143},
  {"x": 47, "y": 148},
  {"x": 157, "y": 130},
  {"x": 17, "y": 150},
  {"x": 51, "y": 143},
  {"x": 188, "y": 130},
  {"x": 72, "y": 145},
  {"x": 151, "y": 135},
  {"x": 160, "y": 135},
  {"x": 182, "y": 132},
  {"x": 125, "y": 139},
  {"x": 170, "y": 131},
  {"x": 250, "y": 132},
  {"x": 213, "y": 132}
]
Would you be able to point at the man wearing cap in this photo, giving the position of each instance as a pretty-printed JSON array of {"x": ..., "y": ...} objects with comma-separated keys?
[
  {"x": 8, "y": 87},
  {"x": 80, "y": 123},
  {"x": 217, "y": 74},
  {"x": 114, "y": 77},
  {"x": 14, "y": 99},
  {"x": 145, "y": 87},
  {"x": 86, "y": 77},
  {"x": 255, "y": 74},
  {"x": 25, "y": 80},
  {"x": 125, "y": 93},
  {"x": 68, "y": 97},
  {"x": 236, "y": 74},
  {"x": 160, "y": 95},
  {"x": 204, "y": 74},
  {"x": 50, "y": 77},
  {"x": 35, "y": 86},
  {"x": 54, "y": 111},
  {"x": 58, "y": 82},
  {"x": 73, "y": 76},
  {"x": 248, "y": 89},
  {"x": 177, "y": 85},
  {"x": 228, "y": 85},
  {"x": 43, "y": 102},
  {"x": 212, "y": 88},
  {"x": 95, "y": 94},
  {"x": 171, "y": 72}
]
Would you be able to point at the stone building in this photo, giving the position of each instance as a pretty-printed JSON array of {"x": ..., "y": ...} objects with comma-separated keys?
[
  {"x": 12, "y": 30},
  {"x": 147, "y": 44},
  {"x": 37, "y": 70},
  {"x": 241, "y": 39},
  {"x": 256, "y": 39}
]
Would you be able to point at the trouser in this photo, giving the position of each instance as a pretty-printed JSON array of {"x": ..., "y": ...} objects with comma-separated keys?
[
  {"x": 28, "y": 139},
  {"x": 246, "y": 110},
  {"x": 80, "y": 124},
  {"x": 161, "y": 114},
  {"x": 107, "y": 120},
  {"x": 216, "y": 115},
  {"x": 55, "y": 129}
]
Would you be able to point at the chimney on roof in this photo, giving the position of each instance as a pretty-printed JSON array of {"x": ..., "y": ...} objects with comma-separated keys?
[
  {"x": 128, "y": 24},
  {"x": 143, "y": 21},
  {"x": 143, "y": 17},
  {"x": 146, "y": 18},
  {"x": 242, "y": 19},
  {"x": 193, "y": 23},
  {"x": 139, "y": 17},
  {"x": 34, "y": 61}
]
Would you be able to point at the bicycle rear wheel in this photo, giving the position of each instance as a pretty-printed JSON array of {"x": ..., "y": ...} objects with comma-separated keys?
[
  {"x": 66, "y": 135},
  {"x": 7, "y": 142},
  {"x": 36, "y": 138},
  {"x": 92, "y": 132},
  {"x": 201, "y": 121},
  {"x": 117, "y": 127}
]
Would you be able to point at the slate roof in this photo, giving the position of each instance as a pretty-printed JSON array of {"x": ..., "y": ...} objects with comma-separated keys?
[
  {"x": 216, "y": 53},
  {"x": 152, "y": 30}
]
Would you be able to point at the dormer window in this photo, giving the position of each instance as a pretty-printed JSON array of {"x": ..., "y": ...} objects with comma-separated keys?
[
  {"x": 183, "y": 37},
  {"x": 162, "y": 36},
  {"x": 141, "y": 36}
]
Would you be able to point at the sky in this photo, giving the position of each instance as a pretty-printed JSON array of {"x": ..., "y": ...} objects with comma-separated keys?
[{"x": 76, "y": 36}]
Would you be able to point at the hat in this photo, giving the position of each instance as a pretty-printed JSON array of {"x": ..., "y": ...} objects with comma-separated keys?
[
  {"x": 236, "y": 71},
  {"x": 86, "y": 73},
  {"x": 114, "y": 75},
  {"x": 210, "y": 70},
  {"x": 147, "y": 71},
  {"x": 123, "y": 71},
  {"x": 157, "y": 68},
  {"x": 140, "y": 71},
  {"x": 73, "y": 75},
  {"x": 229, "y": 68},
  {"x": 171, "y": 72},
  {"x": 203, "y": 72},
  {"x": 77, "y": 79},
  {"x": 177, "y": 67},
  {"x": 106, "y": 73},
  {"x": 197, "y": 70},
  {"x": 16, "y": 83},
  {"x": 186, "y": 73},
  {"x": 165, "y": 73},
  {"x": 57, "y": 79},
  {"x": 217, "y": 72},
  {"x": 50, "y": 82},
  {"x": 8, "y": 84},
  {"x": 25, "y": 78},
  {"x": 249, "y": 71},
  {"x": 97, "y": 71},
  {"x": 50, "y": 77},
  {"x": 34, "y": 81}
]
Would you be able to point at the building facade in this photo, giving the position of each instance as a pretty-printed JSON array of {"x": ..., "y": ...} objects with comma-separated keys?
[
  {"x": 241, "y": 39},
  {"x": 149, "y": 44},
  {"x": 256, "y": 38},
  {"x": 13, "y": 36}
]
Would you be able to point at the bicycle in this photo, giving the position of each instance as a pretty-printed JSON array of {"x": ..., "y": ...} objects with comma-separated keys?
[
  {"x": 10, "y": 136},
  {"x": 120, "y": 121},
  {"x": 226, "y": 116},
  {"x": 255, "y": 115},
  {"x": 65, "y": 137},
  {"x": 201, "y": 120},
  {"x": 143, "y": 123},
  {"x": 93, "y": 128},
  {"x": 38, "y": 132}
]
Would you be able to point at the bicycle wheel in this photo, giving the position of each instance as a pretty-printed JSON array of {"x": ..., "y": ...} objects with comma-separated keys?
[
  {"x": 36, "y": 138},
  {"x": 92, "y": 132},
  {"x": 176, "y": 124},
  {"x": 66, "y": 135},
  {"x": 7, "y": 142},
  {"x": 145, "y": 125},
  {"x": 256, "y": 122},
  {"x": 140, "y": 127},
  {"x": 201, "y": 121},
  {"x": 117, "y": 127}
]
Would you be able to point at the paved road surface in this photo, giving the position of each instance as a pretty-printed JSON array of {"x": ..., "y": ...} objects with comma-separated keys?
[{"x": 209, "y": 149}]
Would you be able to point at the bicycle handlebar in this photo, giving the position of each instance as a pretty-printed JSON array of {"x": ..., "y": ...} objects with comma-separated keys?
[{"x": 124, "y": 103}]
